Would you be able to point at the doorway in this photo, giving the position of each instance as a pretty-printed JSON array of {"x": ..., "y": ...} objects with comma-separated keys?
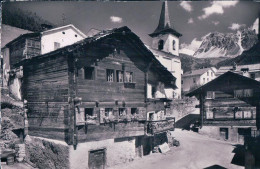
[{"x": 97, "y": 159}]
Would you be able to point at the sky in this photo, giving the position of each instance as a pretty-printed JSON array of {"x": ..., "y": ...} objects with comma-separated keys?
[{"x": 192, "y": 19}]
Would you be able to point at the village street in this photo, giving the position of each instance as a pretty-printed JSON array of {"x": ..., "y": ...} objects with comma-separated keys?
[{"x": 195, "y": 152}]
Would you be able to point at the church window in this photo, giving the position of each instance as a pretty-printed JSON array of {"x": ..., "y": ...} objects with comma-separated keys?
[
  {"x": 173, "y": 45},
  {"x": 160, "y": 45}
]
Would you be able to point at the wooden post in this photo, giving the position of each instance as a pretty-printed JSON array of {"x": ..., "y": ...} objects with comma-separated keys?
[
  {"x": 201, "y": 97},
  {"x": 258, "y": 115}
]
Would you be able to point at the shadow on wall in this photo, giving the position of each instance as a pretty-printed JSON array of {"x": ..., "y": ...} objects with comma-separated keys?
[
  {"x": 215, "y": 167},
  {"x": 186, "y": 121},
  {"x": 239, "y": 157}
]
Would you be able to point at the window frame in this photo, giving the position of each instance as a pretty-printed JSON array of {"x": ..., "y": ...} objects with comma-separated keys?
[
  {"x": 117, "y": 76},
  {"x": 56, "y": 44},
  {"x": 127, "y": 80},
  {"x": 160, "y": 44},
  {"x": 112, "y": 73}
]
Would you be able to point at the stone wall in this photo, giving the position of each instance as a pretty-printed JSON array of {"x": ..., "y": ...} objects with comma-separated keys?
[
  {"x": 46, "y": 153},
  {"x": 183, "y": 107},
  {"x": 214, "y": 132},
  {"x": 117, "y": 151}
]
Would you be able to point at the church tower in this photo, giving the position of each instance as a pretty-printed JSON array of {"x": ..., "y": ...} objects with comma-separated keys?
[
  {"x": 165, "y": 46},
  {"x": 165, "y": 37}
]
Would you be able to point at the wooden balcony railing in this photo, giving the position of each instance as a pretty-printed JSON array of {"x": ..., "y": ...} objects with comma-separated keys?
[{"x": 153, "y": 127}]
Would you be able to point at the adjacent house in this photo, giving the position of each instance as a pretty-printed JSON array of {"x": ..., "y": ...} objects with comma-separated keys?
[
  {"x": 30, "y": 45},
  {"x": 196, "y": 78},
  {"x": 94, "y": 97},
  {"x": 165, "y": 46},
  {"x": 229, "y": 107}
]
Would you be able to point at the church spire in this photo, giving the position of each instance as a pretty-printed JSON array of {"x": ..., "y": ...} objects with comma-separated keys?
[
  {"x": 164, "y": 21},
  {"x": 164, "y": 25}
]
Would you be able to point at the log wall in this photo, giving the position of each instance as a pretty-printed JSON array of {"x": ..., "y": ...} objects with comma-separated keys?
[{"x": 45, "y": 87}]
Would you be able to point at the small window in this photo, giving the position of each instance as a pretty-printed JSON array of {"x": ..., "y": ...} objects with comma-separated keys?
[
  {"x": 129, "y": 77},
  {"x": 207, "y": 73},
  {"x": 29, "y": 43},
  {"x": 182, "y": 82},
  {"x": 210, "y": 95},
  {"x": 160, "y": 45},
  {"x": 204, "y": 81},
  {"x": 194, "y": 80},
  {"x": 211, "y": 74},
  {"x": 122, "y": 111},
  {"x": 33, "y": 43},
  {"x": 56, "y": 45},
  {"x": 207, "y": 79},
  {"x": 76, "y": 35},
  {"x": 108, "y": 112},
  {"x": 63, "y": 32},
  {"x": 252, "y": 75},
  {"x": 110, "y": 75},
  {"x": 120, "y": 76},
  {"x": 88, "y": 112},
  {"x": 173, "y": 45},
  {"x": 37, "y": 45},
  {"x": 134, "y": 111},
  {"x": 89, "y": 73}
]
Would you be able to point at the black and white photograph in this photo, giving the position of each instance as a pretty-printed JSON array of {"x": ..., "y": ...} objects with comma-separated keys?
[{"x": 130, "y": 85}]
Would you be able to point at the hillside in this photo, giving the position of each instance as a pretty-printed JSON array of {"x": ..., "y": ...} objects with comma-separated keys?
[
  {"x": 251, "y": 56},
  {"x": 190, "y": 63},
  {"x": 23, "y": 19}
]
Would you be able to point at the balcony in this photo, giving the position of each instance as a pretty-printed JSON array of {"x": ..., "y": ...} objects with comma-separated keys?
[{"x": 157, "y": 126}]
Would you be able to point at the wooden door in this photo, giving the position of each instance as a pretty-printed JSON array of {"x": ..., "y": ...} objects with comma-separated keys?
[{"x": 97, "y": 159}]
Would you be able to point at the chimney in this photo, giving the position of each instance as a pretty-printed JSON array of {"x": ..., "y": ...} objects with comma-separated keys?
[{"x": 45, "y": 27}]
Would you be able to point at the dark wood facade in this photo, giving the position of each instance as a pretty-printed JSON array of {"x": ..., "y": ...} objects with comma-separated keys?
[
  {"x": 229, "y": 100},
  {"x": 93, "y": 90},
  {"x": 25, "y": 46}
]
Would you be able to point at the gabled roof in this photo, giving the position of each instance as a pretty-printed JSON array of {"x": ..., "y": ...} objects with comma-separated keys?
[
  {"x": 198, "y": 72},
  {"x": 35, "y": 34},
  {"x": 92, "y": 32},
  {"x": 122, "y": 32},
  {"x": 27, "y": 35},
  {"x": 64, "y": 27},
  {"x": 164, "y": 25},
  {"x": 227, "y": 82}
]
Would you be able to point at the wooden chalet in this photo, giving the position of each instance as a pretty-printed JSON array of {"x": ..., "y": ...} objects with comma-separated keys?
[
  {"x": 229, "y": 106},
  {"x": 96, "y": 89}
]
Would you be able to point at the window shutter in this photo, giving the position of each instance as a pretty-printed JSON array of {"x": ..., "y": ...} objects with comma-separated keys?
[
  {"x": 101, "y": 115},
  {"x": 116, "y": 113},
  {"x": 80, "y": 115}
]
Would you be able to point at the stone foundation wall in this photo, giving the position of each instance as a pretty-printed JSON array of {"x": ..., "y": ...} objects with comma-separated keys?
[
  {"x": 214, "y": 132},
  {"x": 46, "y": 153},
  {"x": 117, "y": 151}
]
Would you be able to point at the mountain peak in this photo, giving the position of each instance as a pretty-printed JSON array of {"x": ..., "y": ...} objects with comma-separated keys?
[{"x": 216, "y": 44}]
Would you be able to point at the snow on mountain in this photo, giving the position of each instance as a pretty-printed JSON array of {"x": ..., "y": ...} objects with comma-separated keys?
[{"x": 226, "y": 45}]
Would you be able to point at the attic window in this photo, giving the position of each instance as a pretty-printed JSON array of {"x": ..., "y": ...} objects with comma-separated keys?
[
  {"x": 160, "y": 45},
  {"x": 63, "y": 32},
  {"x": 76, "y": 35},
  {"x": 173, "y": 45}
]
